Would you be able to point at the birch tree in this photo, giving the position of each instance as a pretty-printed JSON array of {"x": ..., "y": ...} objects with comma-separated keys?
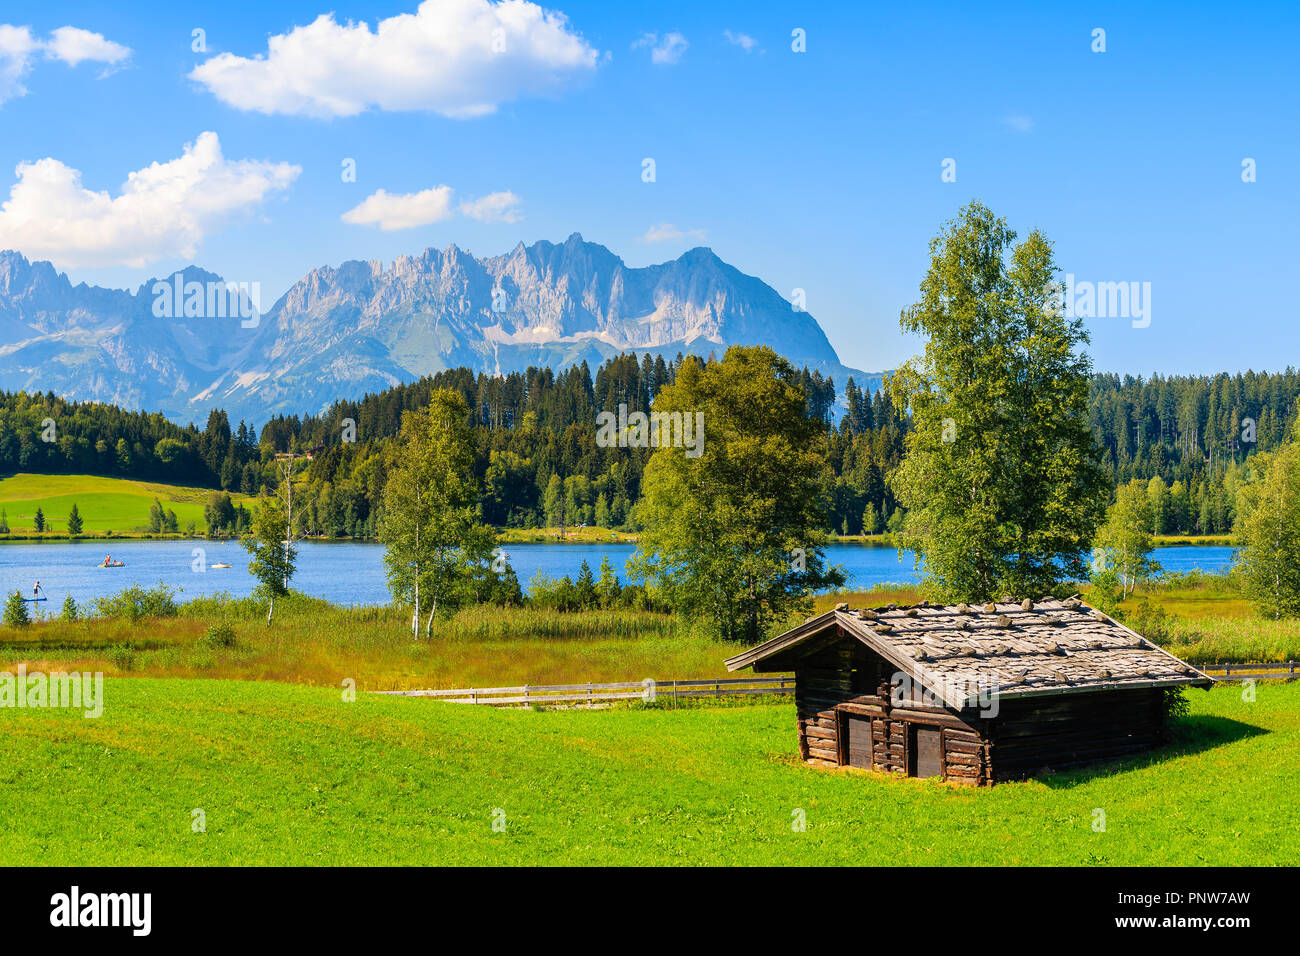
[
  {"x": 1125, "y": 539},
  {"x": 1001, "y": 480},
  {"x": 1270, "y": 530},
  {"x": 436, "y": 543},
  {"x": 273, "y": 554}
]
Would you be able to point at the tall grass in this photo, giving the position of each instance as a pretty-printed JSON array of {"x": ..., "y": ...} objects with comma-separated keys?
[{"x": 315, "y": 642}]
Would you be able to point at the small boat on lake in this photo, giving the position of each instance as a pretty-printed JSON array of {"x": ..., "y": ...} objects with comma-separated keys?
[{"x": 221, "y": 565}]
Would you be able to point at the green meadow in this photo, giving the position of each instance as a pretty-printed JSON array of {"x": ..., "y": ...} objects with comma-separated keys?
[
  {"x": 119, "y": 505},
  {"x": 297, "y": 775}
]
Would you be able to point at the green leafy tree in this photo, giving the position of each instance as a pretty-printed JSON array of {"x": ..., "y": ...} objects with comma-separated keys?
[
  {"x": 1158, "y": 492},
  {"x": 74, "y": 520},
  {"x": 38, "y": 520},
  {"x": 155, "y": 517},
  {"x": 16, "y": 611},
  {"x": 733, "y": 534},
  {"x": 272, "y": 552},
  {"x": 608, "y": 589},
  {"x": 1001, "y": 483},
  {"x": 70, "y": 610},
  {"x": 585, "y": 587},
  {"x": 870, "y": 519},
  {"x": 436, "y": 544},
  {"x": 1270, "y": 533},
  {"x": 1124, "y": 543},
  {"x": 553, "y": 501}
]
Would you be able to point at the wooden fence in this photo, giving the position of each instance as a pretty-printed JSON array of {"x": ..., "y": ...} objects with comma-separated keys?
[
  {"x": 547, "y": 695},
  {"x": 1283, "y": 671}
]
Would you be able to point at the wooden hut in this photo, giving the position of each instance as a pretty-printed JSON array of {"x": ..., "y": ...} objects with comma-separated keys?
[{"x": 972, "y": 694}]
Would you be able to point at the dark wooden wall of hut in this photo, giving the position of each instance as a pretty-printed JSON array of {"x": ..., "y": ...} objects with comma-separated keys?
[
  {"x": 844, "y": 682},
  {"x": 1039, "y": 733}
]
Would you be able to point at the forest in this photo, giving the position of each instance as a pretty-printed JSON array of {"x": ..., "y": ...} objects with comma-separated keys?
[{"x": 539, "y": 465}]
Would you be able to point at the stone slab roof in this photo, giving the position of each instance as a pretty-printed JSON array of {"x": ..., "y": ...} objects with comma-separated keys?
[{"x": 1009, "y": 648}]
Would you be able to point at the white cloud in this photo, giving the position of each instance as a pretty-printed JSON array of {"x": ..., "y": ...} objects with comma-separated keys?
[
  {"x": 72, "y": 45},
  {"x": 393, "y": 211},
  {"x": 390, "y": 211},
  {"x": 494, "y": 207},
  {"x": 664, "y": 51},
  {"x": 1018, "y": 122},
  {"x": 16, "y": 48},
  {"x": 742, "y": 40},
  {"x": 163, "y": 210},
  {"x": 667, "y": 232},
  {"x": 459, "y": 58}
]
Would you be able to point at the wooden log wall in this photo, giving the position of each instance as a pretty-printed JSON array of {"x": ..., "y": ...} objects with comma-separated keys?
[
  {"x": 844, "y": 679},
  {"x": 822, "y": 682},
  {"x": 1049, "y": 733}
]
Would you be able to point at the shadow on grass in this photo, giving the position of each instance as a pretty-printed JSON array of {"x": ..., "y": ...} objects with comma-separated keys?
[{"x": 1191, "y": 735}]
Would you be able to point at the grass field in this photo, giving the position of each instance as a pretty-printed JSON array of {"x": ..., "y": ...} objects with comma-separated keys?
[
  {"x": 119, "y": 505},
  {"x": 318, "y": 643},
  {"x": 575, "y": 535},
  {"x": 295, "y": 775},
  {"x": 314, "y": 642}
]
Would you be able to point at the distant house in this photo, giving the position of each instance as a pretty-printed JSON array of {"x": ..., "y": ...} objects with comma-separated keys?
[{"x": 972, "y": 694}]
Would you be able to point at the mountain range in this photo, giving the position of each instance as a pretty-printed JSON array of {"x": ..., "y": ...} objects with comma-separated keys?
[{"x": 175, "y": 347}]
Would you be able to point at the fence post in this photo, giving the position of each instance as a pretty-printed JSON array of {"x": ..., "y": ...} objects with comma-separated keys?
[
  {"x": 589, "y": 697},
  {"x": 525, "y": 695}
]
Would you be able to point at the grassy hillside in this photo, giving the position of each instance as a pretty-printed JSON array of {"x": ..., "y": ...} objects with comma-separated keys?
[
  {"x": 294, "y": 775},
  {"x": 120, "y": 505}
]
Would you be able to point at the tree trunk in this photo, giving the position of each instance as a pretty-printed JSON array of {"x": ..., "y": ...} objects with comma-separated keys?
[
  {"x": 270, "y": 610},
  {"x": 415, "y": 614},
  {"x": 428, "y": 624}
]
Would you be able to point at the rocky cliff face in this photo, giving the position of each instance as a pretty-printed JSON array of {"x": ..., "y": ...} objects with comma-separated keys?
[{"x": 341, "y": 332}]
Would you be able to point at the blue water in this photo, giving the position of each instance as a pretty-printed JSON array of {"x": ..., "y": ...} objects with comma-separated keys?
[{"x": 354, "y": 574}]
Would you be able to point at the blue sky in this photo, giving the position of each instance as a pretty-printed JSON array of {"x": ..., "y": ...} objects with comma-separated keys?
[{"x": 819, "y": 170}]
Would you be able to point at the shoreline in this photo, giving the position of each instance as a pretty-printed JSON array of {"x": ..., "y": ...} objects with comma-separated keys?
[{"x": 539, "y": 536}]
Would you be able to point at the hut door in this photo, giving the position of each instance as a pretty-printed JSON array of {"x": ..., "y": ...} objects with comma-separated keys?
[
  {"x": 925, "y": 755},
  {"x": 858, "y": 751}
]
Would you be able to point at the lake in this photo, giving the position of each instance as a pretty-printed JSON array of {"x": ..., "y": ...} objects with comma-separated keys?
[{"x": 348, "y": 573}]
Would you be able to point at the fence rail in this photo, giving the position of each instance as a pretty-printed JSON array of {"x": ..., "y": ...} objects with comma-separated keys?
[
  {"x": 543, "y": 695},
  {"x": 547, "y": 694},
  {"x": 1275, "y": 671}
]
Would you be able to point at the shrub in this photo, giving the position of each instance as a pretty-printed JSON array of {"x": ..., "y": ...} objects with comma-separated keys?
[
  {"x": 135, "y": 602},
  {"x": 70, "y": 610},
  {"x": 1107, "y": 592},
  {"x": 220, "y": 634},
  {"x": 122, "y": 656},
  {"x": 1153, "y": 622},
  {"x": 1174, "y": 705},
  {"x": 16, "y": 611}
]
